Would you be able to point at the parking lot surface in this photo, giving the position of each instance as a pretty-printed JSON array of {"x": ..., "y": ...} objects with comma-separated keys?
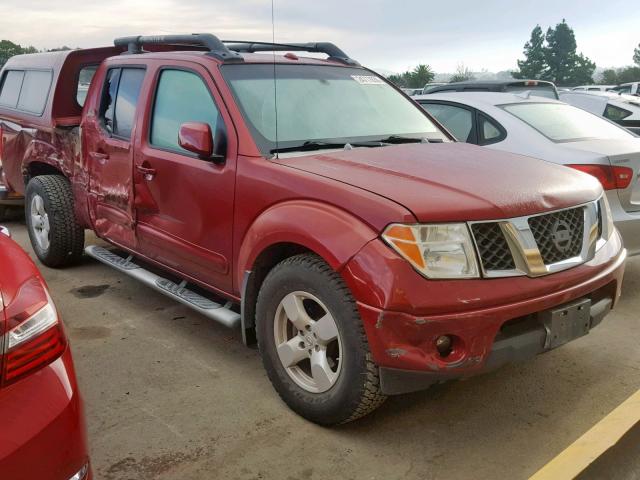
[{"x": 172, "y": 395}]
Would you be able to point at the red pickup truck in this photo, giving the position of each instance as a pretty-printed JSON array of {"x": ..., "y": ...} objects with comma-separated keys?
[{"x": 311, "y": 203}]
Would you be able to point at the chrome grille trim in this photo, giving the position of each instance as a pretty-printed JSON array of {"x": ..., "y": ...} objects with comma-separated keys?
[{"x": 525, "y": 250}]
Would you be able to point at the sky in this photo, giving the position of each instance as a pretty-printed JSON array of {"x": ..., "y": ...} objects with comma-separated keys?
[{"x": 381, "y": 34}]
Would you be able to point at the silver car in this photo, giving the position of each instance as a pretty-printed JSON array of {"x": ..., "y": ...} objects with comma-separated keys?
[{"x": 553, "y": 131}]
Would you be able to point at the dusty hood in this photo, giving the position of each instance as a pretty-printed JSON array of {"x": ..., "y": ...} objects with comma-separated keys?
[{"x": 454, "y": 181}]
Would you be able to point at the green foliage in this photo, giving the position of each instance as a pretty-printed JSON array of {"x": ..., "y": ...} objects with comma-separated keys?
[
  {"x": 8, "y": 49},
  {"x": 462, "y": 74},
  {"x": 554, "y": 57},
  {"x": 416, "y": 78},
  {"x": 636, "y": 55},
  {"x": 534, "y": 63},
  {"x": 609, "y": 77},
  {"x": 620, "y": 75}
]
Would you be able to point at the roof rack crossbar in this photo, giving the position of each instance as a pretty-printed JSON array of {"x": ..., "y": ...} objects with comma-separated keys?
[
  {"x": 216, "y": 48},
  {"x": 330, "y": 49}
]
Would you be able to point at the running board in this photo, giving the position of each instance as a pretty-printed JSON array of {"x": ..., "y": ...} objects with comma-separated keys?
[{"x": 215, "y": 311}]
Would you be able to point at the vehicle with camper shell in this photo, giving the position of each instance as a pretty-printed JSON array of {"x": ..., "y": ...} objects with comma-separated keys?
[{"x": 310, "y": 203}]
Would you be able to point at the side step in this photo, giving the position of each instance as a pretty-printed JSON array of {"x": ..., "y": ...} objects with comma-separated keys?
[{"x": 220, "y": 313}]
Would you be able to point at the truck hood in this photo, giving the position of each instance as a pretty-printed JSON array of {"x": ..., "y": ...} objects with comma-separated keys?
[{"x": 454, "y": 181}]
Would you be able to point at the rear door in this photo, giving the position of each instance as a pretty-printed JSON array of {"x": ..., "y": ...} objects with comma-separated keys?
[
  {"x": 107, "y": 146},
  {"x": 184, "y": 204}
]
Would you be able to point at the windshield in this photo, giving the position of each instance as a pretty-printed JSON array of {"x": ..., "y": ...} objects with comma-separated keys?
[
  {"x": 563, "y": 123},
  {"x": 323, "y": 104}
]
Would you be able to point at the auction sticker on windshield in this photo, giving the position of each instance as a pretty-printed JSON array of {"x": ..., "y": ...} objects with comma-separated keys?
[{"x": 367, "y": 79}]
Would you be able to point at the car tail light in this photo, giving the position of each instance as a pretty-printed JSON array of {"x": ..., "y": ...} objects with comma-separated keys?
[
  {"x": 610, "y": 177},
  {"x": 34, "y": 336}
]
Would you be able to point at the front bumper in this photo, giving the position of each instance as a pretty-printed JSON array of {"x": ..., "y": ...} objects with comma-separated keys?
[
  {"x": 403, "y": 313},
  {"x": 43, "y": 431}
]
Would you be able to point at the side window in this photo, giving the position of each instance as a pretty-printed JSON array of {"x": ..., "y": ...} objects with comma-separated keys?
[
  {"x": 119, "y": 100},
  {"x": 181, "y": 97},
  {"x": 35, "y": 91},
  {"x": 459, "y": 121},
  {"x": 615, "y": 113},
  {"x": 26, "y": 90},
  {"x": 84, "y": 81},
  {"x": 490, "y": 132},
  {"x": 11, "y": 85}
]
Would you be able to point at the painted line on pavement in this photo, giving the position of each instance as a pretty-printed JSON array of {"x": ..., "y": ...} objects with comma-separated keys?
[{"x": 602, "y": 436}]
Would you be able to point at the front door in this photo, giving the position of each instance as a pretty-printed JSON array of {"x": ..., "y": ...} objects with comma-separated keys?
[
  {"x": 184, "y": 204},
  {"x": 106, "y": 139}
]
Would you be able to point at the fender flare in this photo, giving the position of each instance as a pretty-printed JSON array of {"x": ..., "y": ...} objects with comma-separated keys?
[{"x": 332, "y": 233}]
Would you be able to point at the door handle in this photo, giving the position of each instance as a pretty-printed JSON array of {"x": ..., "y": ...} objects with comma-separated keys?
[
  {"x": 99, "y": 156},
  {"x": 147, "y": 172}
]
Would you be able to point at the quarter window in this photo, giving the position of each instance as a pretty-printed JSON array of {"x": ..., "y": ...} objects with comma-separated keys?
[
  {"x": 181, "y": 97},
  {"x": 615, "y": 113},
  {"x": 119, "y": 100},
  {"x": 489, "y": 131},
  {"x": 458, "y": 121},
  {"x": 84, "y": 81}
]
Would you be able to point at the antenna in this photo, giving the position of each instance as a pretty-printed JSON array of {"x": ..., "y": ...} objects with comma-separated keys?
[{"x": 275, "y": 83}]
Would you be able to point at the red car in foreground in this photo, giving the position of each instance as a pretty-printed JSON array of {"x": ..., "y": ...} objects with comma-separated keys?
[{"x": 43, "y": 431}]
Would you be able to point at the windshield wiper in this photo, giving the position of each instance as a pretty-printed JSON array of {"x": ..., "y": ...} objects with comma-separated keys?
[
  {"x": 311, "y": 145},
  {"x": 395, "y": 139}
]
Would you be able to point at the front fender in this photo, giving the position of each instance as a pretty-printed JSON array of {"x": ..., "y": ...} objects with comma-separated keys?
[{"x": 330, "y": 232}]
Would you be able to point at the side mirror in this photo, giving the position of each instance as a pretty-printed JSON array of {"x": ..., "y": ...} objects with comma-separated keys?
[{"x": 196, "y": 137}]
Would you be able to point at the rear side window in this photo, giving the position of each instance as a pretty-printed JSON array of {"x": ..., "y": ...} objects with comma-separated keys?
[
  {"x": 35, "y": 90},
  {"x": 615, "y": 113},
  {"x": 459, "y": 121},
  {"x": 490, "y": 132},
  {"x": 26, "y": 90},
  {"x": 84, "y": 81},
  {"x": 119, "y": 100},
  {"x": 11, "y": 85},
  {"x": 181, "y": 97}
]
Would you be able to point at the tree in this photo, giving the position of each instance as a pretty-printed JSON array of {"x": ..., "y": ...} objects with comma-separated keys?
[
  {"x": 463, "y": 74},
  {"x": 534, "y": 63},
  {"x": 609, "y": 77},
  {"x": 554, "y": 57},
  {"x": 564, "y": 65},
  {"x": 636, "y": 55},
  {"x": 416, "y": 78},
  {"x": 8, "y": 49}
]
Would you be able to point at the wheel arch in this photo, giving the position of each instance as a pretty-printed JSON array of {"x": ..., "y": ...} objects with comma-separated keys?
[{"x": 288, "y": 229}]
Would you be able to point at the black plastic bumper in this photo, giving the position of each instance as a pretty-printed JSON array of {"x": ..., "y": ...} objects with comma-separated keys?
[{"x": 513, "y": 345}]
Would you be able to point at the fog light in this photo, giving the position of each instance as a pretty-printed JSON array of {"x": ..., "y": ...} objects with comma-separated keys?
[{"x": 444, "y": 344}]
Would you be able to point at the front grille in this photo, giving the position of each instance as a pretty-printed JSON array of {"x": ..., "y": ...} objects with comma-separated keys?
[
  {"x": 492, "y": 247},
  {"x": 559, "y": 235}
]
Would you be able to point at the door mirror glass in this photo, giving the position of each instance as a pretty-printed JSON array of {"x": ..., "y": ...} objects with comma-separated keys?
[{"x": 196, "y": 137}]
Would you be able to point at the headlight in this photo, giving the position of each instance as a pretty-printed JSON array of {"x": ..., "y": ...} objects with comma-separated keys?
[{"x": 436, "y": 251}]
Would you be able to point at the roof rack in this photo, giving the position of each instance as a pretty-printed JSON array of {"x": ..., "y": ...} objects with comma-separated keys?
[
  {"x": 334, "y": 53},
  {"x": 229, "y": 50},
  {"x": 216, "y": 48}
]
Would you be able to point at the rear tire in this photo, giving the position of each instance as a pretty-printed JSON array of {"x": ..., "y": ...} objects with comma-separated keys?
[
  {"x": 56, "y": 237},
  {"x": 313, "y": 344}
]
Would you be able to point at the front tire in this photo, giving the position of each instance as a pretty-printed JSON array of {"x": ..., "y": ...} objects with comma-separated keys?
[
  {"x": 313, "y": 344},
  {"x": 56, "y": 237}
]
